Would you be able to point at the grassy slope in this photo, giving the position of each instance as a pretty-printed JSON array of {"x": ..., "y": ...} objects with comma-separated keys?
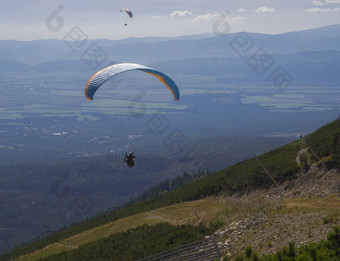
[
  {"x": 192, "y": 212},
  {"x": 136, "y": 243},
  {"x": 228, "y": 210},
  {"x": 280, "y": 162},
  {"x": 323, "y": 142}
]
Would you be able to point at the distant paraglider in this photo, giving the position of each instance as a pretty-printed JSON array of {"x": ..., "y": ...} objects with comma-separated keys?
[
  {"x": 128, "y": 11},
  {"x": 105, "y": 74}
]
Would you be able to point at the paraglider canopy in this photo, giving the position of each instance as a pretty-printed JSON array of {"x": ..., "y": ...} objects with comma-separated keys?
[
  {"x": 128, "y": 11},
  {"x": 105, "y": 74}
]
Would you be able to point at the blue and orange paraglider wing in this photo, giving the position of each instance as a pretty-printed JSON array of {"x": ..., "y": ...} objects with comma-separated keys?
[
  {"x": 128, "y": 11},
  {"x": 105, "y": 74}
]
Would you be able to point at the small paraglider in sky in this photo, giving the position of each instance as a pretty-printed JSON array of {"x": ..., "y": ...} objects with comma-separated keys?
[{"x": 128, "y": 11}]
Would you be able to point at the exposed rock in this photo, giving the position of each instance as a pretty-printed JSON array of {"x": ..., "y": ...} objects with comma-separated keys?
[{"x": 288, "y": 215}]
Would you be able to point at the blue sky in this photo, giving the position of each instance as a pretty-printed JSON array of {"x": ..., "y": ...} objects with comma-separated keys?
[{"x": 26, "y": 19}]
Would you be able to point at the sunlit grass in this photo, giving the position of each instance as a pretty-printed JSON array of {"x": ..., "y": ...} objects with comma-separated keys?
[{"x": 192, "y": 212}]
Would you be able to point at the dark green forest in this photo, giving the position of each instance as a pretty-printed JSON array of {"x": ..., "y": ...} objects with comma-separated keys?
[{"x": 169, "y": 185}]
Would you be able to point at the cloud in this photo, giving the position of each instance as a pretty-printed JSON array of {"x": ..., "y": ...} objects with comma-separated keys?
[
  {"x": 318, "y": 10},
  {"x": 181, "y": 13},
  {"x": 210, "y": 17},
  {"x": 242, "y": 10},
  {"x": 157, "y": 16},
  {"x": 326, "y": 2},
  {"x": 264, "y": 9},
  {"x": 322, "y": 10},
  {"x": 206, "y": 17},
  {"x": 318, "y": 3},
  {"x": 238, "y": 20}
]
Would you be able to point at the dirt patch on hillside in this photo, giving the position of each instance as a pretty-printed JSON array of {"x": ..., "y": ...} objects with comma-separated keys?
[{"x": 303, "y": 210}]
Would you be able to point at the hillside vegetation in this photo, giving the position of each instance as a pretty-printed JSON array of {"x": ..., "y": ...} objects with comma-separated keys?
[
  {"x": 283, "y": 164},
  {"x": 193, "y": 213},
  {"x": 82, "y": 188},
  {"x": 163, "y": 236},
  {"x": 325, "y": 250},
  {"x": 136, "y": 243}
]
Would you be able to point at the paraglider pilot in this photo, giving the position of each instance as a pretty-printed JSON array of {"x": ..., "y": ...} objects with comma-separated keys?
[{"x": 129, "y": 159}]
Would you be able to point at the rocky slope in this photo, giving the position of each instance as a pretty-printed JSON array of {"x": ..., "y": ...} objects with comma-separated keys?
[{"x": 303, "y": 210}]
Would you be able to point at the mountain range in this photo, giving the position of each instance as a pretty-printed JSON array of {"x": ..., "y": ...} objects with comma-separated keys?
[{"x": 310, "y": 56}]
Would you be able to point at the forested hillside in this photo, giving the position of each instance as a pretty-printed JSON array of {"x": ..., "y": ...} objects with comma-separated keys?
[
  {"x": 81, "y": 189},
  {"x": 283, "y": 164}
]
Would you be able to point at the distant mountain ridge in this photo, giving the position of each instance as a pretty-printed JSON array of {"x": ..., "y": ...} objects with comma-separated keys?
[
  {"x": 306, "y": 68},
  {"x": 155, "y": 49}
]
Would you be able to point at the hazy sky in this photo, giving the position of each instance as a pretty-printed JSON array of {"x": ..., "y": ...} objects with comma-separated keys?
[{"x": 35, "y": 19}]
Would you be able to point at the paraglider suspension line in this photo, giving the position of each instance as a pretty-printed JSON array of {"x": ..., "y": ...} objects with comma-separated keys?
[
  {"x": 270, "y": 176},
  {"x": 316, "y": 156}
]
